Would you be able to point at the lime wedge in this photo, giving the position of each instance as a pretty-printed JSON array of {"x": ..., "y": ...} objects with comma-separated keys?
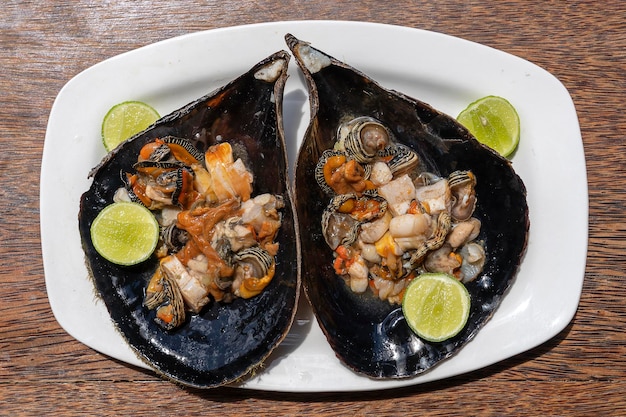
[
  {"x": 494, "y": 122},
  {"x": 436, "y": 306},
  {"x": 125, "y": 120},
  {"x": 125, "y": 233}
]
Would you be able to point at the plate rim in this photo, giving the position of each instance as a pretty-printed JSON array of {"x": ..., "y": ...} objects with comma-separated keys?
[{"x": 258, "y": 383}]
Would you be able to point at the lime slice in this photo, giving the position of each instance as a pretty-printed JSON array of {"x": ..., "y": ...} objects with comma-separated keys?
[
  {"x": 494, "y": 122},
  {"x": 125, "y": 233},
  {"x": 436, "y": 306},
  {"x": 125, "y": 120}
]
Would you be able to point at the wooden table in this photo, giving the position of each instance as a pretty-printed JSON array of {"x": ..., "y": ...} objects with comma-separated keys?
[{"x": 44, "y": 371}]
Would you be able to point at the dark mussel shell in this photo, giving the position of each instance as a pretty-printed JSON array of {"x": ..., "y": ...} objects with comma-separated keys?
[
  {"x": 368, "y": 335},
  {"x": 225, "y": 341}
]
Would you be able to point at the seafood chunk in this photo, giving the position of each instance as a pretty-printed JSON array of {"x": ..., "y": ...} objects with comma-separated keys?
[
  {"x": 431, "y": 146},
  {"x": 399, "y": 194},
  {"x": 436, "y": 198},
  {"x": 229, "y": 177},
  {"x": 462, "y": 185},
  {"x": 261, "y": 212},
  {"x": 193, "y": 292},
  {"x": 362, "y": 138},
  {"x": 163, "y": 294},
  {"x": 253, "y": 271}
]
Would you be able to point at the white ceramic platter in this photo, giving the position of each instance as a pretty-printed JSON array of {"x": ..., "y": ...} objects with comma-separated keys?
[{"x": 444, "y": 71}]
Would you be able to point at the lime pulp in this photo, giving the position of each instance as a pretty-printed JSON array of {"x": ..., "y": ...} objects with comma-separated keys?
[
  {"x": 494, "y": 122},
  {"x": 436, "y": 306},
  {"x": 124, "y": 120},
  {"x": 125, "y": 233}
]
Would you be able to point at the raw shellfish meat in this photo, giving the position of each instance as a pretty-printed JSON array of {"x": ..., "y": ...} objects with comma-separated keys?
[
  {"x": 368, "y": 335},
  {"x": 224, "y": 341}
]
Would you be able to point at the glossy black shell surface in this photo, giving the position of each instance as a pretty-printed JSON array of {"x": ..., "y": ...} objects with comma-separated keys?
[
  {"x": 368, "y": 335},
  {"x": 225, "y": 341}
]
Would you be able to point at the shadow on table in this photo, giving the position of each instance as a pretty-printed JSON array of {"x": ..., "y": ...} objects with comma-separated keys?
[{"x": 228, "y": 394}]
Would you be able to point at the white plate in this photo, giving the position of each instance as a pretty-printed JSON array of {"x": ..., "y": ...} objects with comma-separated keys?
[{"x": 444, "y": 71}]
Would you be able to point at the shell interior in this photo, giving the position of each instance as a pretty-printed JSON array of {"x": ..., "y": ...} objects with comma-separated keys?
[
  {"x": 225, "y": 341},
  {"x": 368, "y": 335}
]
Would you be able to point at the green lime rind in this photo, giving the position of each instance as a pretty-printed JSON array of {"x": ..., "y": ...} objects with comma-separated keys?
[
  {"x": 436, "y": 306},
  {"x": 124, "y": 120},
  {"x": 125, "y": 233},
  {"x": 494, "y": 122}
]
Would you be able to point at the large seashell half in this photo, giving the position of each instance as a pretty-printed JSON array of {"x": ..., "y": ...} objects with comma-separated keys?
[
  {"x": 225, "y": 341},
  {"x": 368, "y": 335}
]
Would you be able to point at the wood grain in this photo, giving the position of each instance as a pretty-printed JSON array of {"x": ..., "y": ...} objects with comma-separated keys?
[{"x": 44, "y": 371}]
